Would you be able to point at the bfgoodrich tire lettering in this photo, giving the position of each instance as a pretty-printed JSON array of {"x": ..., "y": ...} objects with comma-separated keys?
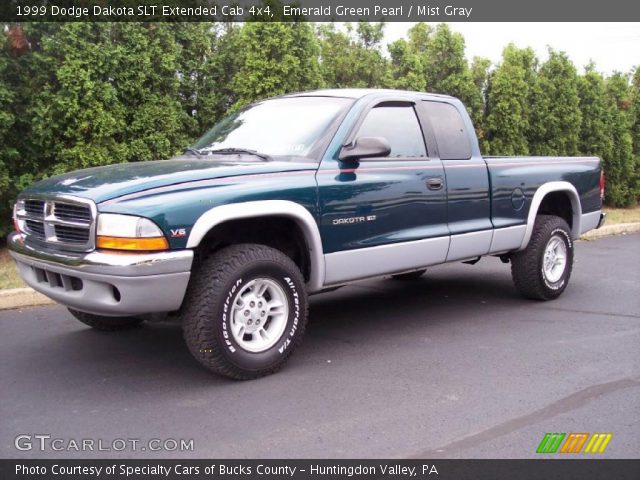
[
  {"x": 542, "y": 270},
  {"x": 211, "y": 318}
]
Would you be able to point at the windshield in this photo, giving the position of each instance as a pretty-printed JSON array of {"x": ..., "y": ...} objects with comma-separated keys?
[{"x": 282, "y": 126}]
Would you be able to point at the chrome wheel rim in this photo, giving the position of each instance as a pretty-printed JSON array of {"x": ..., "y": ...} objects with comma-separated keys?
[
  {"x": 259, "y": 315},
  {"x": 555, "y": 259}
]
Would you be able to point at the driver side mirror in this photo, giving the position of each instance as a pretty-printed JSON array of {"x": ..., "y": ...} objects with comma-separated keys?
[{"x": 365, "y": 147}]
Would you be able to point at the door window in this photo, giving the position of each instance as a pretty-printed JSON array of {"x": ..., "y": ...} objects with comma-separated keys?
[{"x": 399, "y": 126}]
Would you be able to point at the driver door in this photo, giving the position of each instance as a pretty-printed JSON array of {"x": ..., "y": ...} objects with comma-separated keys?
[{"x": 388, "y": 214}]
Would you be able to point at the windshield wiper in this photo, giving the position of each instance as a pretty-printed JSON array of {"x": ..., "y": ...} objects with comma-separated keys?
[
  {"x": 195, "y": 151},
  {"x": 226, "y": 151}
]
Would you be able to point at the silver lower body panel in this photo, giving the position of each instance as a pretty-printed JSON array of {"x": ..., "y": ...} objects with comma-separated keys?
[
  {"x": 102, "y": 283},
  {"x": 591, "y": 221}
]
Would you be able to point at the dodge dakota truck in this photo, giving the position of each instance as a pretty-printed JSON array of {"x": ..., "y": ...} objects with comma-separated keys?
[{"x": 292, "y": 196}]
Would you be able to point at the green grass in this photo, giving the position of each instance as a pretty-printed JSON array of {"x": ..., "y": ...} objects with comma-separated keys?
[
  {"x": 9, "y": 277},
  {"x": 622, "y": 215}
]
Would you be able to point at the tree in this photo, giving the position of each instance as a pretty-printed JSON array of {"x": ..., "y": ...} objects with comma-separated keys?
[
  {"x": 620, "y": 167},
  {"x": 197, "y": 43},
  {"x": 22, "y": 76},
  {"x": 77, "y": 120},
  {"x": 595, "y": 129},
  {"x": 282, "y": 58},
  {"x": 555, "y": 108},
  {"x": 352, "y": 59},
  {"x": 635, "y": 129},
  {"x": 420, "y": 37},
  {"x": 447, "y": 71},
  {"x": 507, "y": 119},
  {"x": 8, "y": 153},
  {"x": 147, "y": 78},
  {"x": 480, "y": 72},
  {"x": 406, "y": 69},
  {"x": 217, "y": 96}
]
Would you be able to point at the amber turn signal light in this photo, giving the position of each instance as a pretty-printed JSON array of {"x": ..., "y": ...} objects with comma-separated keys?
[{"x": 126, "y": 243}]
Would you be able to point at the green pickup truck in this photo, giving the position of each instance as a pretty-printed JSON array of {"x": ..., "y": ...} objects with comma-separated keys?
[{"x": 292, "y": 196}]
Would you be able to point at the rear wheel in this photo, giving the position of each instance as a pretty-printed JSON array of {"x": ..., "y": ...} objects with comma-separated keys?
[
  {"x": 106, "y": 324},
  {"x": 542, "y": 270},
  {"x": 410, "y": 276},
  {"x": 245, "y": 311}
]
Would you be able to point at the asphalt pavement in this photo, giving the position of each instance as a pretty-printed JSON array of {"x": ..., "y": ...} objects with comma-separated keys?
[{"x": 455, "y": 365}]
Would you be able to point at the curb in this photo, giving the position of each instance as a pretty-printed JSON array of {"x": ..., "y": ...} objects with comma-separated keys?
[
  {"x": 616, "y": 229},
  {"x": 27, "y": 297},
  {"x": 22, "y": 297}
]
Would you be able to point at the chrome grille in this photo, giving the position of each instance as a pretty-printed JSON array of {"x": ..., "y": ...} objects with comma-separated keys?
[
  {"x": 74, "y": 213},
  {"x": 34, "y": 208},
  {"x": 71, "y": 234},
  {"x": 66, "y": 223},
  {"x": 35, "y": 228}
]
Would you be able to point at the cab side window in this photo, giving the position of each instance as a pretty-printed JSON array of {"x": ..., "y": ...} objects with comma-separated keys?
[
  {"x": 448, "y": 127},
  {"x": 399, "y": 125}
]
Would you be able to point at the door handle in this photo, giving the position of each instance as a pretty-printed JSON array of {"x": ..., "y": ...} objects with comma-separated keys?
[{"x": 435, "y": 183}]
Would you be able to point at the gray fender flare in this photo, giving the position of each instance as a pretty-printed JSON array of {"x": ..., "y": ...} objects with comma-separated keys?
[
  {"x": 263, "y": 208},
  {"x": 542, "y": 191}
]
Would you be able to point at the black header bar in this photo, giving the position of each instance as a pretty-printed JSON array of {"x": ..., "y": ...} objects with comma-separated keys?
[
  {"x": 320, "y": 10},
  {"x": 150, "y": 469}
]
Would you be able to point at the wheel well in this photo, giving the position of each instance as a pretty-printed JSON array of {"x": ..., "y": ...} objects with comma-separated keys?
[
  {"x": 558, "y": 204},
  {"x": 277, "y": 232}
]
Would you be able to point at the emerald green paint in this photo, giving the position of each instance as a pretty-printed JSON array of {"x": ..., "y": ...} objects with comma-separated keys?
[{"x": 106, "y": 183}]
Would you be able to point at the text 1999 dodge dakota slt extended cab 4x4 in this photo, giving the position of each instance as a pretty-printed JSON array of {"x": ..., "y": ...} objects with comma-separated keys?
[{"x": 291, "y": 196}]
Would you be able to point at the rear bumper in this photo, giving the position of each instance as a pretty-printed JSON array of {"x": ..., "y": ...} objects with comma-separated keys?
[
  {"x": 106, "y": 283},
  {"x": 592, "y": 220}
]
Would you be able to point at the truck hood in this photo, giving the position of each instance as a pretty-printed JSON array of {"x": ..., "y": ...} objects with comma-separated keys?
[{"x": 105, "y": 183}]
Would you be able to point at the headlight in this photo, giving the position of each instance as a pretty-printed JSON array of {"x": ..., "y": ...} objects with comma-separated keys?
[
  {"x": 18, "y": 208},
  {"x": 126, "y": 232}
]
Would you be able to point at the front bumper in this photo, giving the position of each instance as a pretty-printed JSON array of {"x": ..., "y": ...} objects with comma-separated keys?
[{"x": 106, "y": 283}]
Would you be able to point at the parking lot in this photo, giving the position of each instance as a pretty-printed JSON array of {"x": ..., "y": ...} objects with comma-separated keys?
[{"x": 455, "y": 365}]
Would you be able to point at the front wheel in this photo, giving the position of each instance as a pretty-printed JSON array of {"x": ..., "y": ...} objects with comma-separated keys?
[
  {"x": 542, "y": 270},
  {"x": 245, "y": 311}
]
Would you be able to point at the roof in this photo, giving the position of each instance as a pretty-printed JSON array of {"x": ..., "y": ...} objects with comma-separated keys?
[{"x": 356, "y": 93}]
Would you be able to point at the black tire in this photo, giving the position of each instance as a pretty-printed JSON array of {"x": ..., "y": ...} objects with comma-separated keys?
[
  {"x": 527, "y": 266},
  {"x": 207, "y": 312},
  {"x": 106, "y": 324},
  {"x": 409, "y": 276}
]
